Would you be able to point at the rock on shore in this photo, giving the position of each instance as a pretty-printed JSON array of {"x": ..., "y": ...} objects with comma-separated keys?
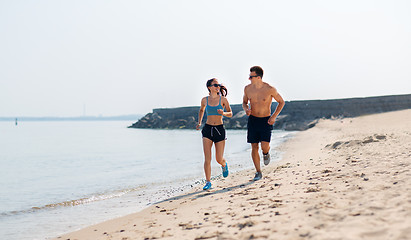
[{"x": 296, "y": 115}]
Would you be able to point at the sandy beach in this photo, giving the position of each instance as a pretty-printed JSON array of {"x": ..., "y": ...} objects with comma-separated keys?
[{"x": 343, "y": 179}]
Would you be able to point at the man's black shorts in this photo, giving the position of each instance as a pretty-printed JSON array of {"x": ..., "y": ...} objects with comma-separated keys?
[
  {"x": 214, "y": 133},
  {"x": 258, "y": 129}
]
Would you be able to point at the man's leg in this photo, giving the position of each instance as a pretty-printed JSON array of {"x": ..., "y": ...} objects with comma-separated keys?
[
  {"x": 265, "y": 146},
  {"x": 256, "y": 156}
]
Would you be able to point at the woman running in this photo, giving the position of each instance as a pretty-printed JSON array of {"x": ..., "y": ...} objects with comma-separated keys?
[{"x": 213, "y": 131}]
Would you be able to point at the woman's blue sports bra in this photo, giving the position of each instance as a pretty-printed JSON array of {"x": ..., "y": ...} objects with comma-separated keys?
[{"x": 212, "y": 110}]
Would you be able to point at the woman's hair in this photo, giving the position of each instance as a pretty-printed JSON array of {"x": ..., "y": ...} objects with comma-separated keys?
[{"x": 223, "y": 90}]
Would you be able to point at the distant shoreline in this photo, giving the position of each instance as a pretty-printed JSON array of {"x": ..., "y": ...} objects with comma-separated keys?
[
  {"x": 83, "y": 118},
  {"x": 295, "y": 116}
]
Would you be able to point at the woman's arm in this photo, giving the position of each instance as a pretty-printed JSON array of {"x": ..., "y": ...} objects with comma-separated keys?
[
  {"x": 201, "y": 113},
  {"x": 226, "y": 105}
]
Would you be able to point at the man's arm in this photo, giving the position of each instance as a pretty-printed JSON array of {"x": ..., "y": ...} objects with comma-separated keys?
[
  {"x": 279, "y": 107},
  {"x": 246, "y": 108}
]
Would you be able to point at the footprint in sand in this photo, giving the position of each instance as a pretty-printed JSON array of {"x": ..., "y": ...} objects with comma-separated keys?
[
  {"x": 246, "y": 224},
  {"x": 372, "y": 234}
]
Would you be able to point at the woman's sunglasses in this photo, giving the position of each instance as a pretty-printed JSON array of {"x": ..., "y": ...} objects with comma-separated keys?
[{"x": 215, "y": 85}]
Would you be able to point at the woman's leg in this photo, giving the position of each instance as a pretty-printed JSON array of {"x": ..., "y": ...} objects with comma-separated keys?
[
  {"x": 207, "y": 144},
  {"x": 219, "y": 152}
]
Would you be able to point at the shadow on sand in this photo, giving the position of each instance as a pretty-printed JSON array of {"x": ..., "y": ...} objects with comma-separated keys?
[{"x": 203, "y": 193}]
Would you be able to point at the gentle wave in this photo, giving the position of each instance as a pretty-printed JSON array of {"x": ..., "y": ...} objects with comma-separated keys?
[{"x": 75, "y": 202}]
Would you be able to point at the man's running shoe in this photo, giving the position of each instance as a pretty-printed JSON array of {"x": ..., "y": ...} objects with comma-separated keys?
[
  {"x": 207, "y": 186},
  {"x": 225, "y": 170},
  {"x": 258, "y": 176},
  {"x": 266, "y": 158}
]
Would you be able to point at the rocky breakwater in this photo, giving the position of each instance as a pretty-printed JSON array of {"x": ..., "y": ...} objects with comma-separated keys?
[{"x": 296, "y": 115}]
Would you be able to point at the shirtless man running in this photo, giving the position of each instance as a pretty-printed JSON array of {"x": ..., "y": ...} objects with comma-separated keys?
[{"x": 257, "y": 105}]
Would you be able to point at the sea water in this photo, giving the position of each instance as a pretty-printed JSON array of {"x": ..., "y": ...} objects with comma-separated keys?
[{"x": 60, "y": 176}]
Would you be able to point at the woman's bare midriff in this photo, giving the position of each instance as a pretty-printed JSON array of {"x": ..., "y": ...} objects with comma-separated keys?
[{"x": 214, "y": 120}]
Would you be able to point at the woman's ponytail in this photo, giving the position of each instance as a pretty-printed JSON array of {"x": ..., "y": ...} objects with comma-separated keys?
[{"x": 223, "y": 91}]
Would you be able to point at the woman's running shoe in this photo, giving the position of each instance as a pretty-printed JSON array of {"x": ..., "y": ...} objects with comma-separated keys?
[
  {"x": 225, "y": 170},
  {"x": 207, "y": 186}
]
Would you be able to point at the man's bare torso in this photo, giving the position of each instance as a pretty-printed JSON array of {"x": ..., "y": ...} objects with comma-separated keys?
[{"x": 260, "y": 98}]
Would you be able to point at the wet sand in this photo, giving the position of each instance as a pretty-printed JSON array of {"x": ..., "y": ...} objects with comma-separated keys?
[{"x": 343, "y": 179}]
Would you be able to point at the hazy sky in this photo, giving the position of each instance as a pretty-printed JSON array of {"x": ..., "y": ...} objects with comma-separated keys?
[{"x": 128, "y": 57}]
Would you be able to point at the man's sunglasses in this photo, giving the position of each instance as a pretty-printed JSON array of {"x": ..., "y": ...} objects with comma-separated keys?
[
  {"x": 249, "y": 77},
  {"x": 215, "y": 85}
]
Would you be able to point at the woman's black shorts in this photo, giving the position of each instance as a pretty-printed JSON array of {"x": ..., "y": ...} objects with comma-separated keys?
[
  {"x": 214, "y": 133},
  {"x": 258, "y": 129}
]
